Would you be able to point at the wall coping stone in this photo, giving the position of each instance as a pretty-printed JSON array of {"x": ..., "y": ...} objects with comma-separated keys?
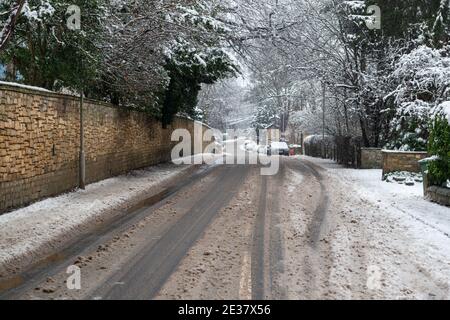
[
  {"x": 51, "y": 94},
  {"x": 404, "y": 152}
]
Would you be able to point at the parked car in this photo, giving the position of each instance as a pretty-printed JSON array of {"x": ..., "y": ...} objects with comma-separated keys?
[{"x": 278, "y": 148}]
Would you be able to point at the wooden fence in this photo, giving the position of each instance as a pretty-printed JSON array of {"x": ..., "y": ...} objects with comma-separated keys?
[{"x": 343, "y": 150}]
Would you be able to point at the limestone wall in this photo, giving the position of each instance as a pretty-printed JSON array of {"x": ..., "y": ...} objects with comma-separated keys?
[
  {"x": 402, "y": 161},
  {"x": 39, "y": 143}
]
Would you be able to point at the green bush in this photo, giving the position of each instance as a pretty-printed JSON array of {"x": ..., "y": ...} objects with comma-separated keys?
[{"x": 439, "y": 145}]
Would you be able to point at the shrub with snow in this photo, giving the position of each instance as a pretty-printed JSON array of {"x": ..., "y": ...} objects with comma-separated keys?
[
  {"x": 424, "y": 81},
  {"x": 439, "y": 145},
  {"x": 403, "y": 177}
]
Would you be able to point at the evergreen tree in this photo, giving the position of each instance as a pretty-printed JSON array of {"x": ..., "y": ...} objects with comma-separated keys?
[
  {"x": 188, "y": 68},
  {"x": 266, "y": 115},
  {"x": 45, "y": 53}
]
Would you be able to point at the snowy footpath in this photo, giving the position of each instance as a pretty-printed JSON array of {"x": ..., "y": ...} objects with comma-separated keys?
[
  {"x": 407, "y": 202},
  {"x": 406, "y": 237},
  {"x": 33, "y": 232}
]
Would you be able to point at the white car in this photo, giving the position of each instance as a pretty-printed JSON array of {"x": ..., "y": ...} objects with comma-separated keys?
[{"x": 279, "y": 148}]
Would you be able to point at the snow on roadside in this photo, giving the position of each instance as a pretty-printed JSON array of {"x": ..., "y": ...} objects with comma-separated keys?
[
  {"x": 392, "y": 196},
  {"x": 28, "y": 233},
  {"x": 398, "y": 197},
  {"x": 421, "y": 228},
  {"x": 202, "y": 158}
]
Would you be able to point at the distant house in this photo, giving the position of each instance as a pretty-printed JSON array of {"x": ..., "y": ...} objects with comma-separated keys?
[
  {"x": 273, "y": 133},
  {"x": 272, "y": 127}
]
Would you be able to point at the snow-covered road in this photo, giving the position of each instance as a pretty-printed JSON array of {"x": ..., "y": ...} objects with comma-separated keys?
[
  {"x": 316, "y": 230},
  {"x": 31, "y": 233}
]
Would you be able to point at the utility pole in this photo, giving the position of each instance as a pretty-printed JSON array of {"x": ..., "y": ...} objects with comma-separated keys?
[
  {"x": 323, "y": 119},
  {"x": 323, "y": 109},
  {"x": 73, "y": 23},
  {"x": 82, "y": 164}
]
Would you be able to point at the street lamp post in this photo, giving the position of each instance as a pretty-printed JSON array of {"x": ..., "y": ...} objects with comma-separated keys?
[
  {"x": 323, "y": 109},
  {"x": 82, "y": 164},
  {"x": 74, "y": 24},
  {"x": 324, "y": 151}
]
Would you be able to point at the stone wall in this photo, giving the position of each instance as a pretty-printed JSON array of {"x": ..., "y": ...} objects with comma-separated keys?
[
  {"x": 438, "y": 195},
  {"x": 39, "y": 143},
  {"x": 435, "y": 193},
  {"x": 402, "y": 161},
  {"x": 371, "y": 158}
]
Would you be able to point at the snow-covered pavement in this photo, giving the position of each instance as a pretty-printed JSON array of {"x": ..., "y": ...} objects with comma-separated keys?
[
  {"x": 406, "y": 236},
  {"x": 393, "y": 198},
  {"x": 32, "y": 232}
]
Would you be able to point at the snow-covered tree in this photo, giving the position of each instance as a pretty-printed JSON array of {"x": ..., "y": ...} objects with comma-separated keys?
[
  {"x": 423, "y": 78},
  {"x": 265, "y": 117},
  {"x": 45, "y": 53},
  {"x": 225, "y": 106},
  {"x": 151, "y": 55},
  {"x": 158, "y": 53},
  {"x": 9, "y": 20}
]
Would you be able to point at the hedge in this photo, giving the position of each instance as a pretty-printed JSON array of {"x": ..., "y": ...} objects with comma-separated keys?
[{"x": 439, "y": 145}]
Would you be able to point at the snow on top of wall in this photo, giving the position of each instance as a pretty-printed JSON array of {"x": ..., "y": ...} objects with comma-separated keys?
[
  {"x": 430, "y": 159},
  {"x": 402, "y": 151},
  {"x": 19, "y": 85}
]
